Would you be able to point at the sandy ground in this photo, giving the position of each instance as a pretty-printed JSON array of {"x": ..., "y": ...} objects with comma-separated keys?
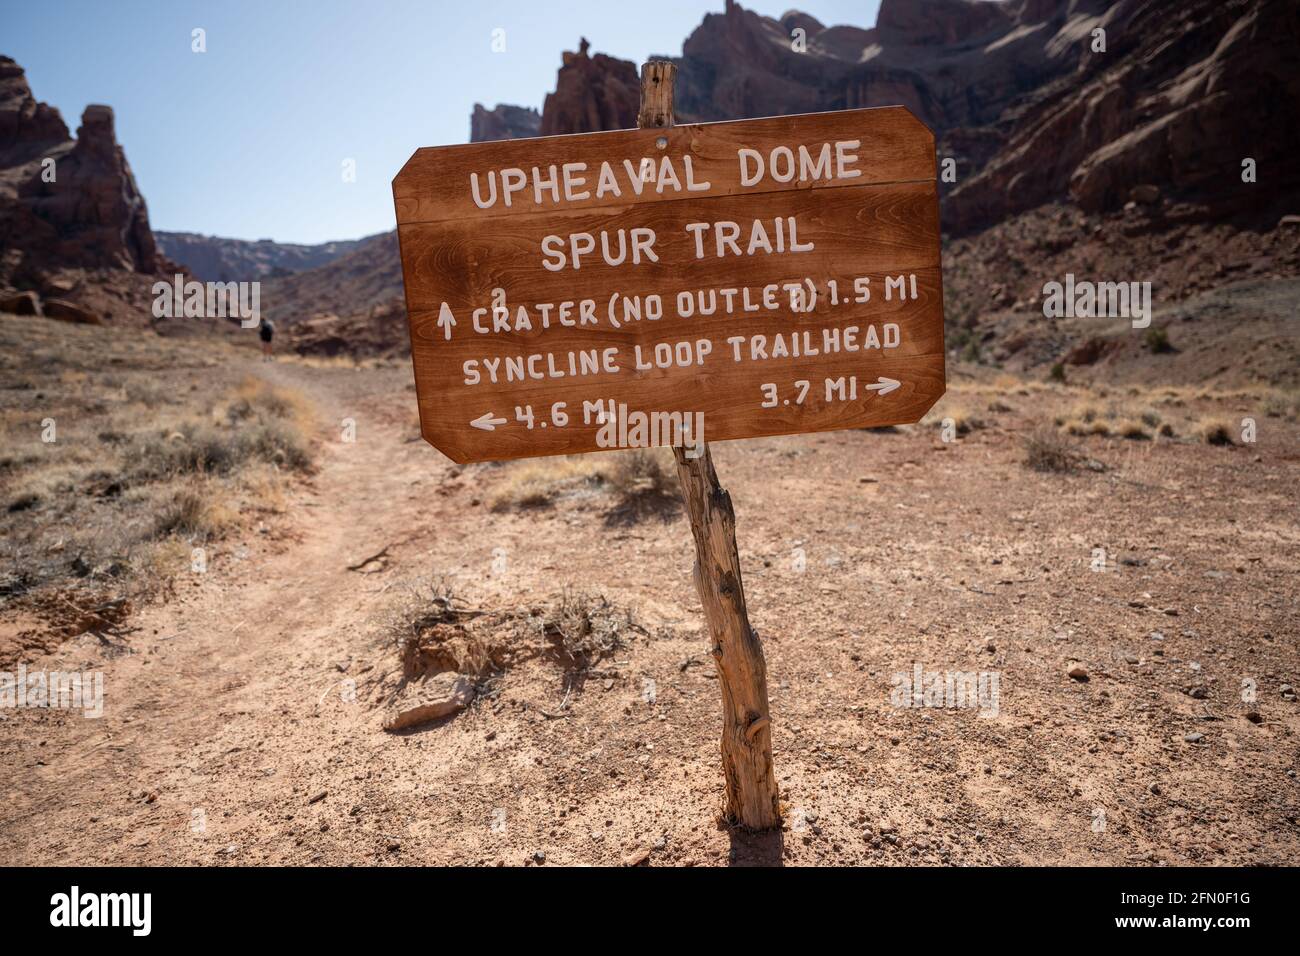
[{"x": 231, "y": 733}]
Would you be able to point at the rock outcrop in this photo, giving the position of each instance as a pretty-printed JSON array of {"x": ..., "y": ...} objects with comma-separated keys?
[
  {"x": 378, "y": 330},
  {"x": 1178, "y": 100},
  {"x": 503, "y": 122},
  {"x": 350, "y": 286},
  {"x": 1019, "y": 93},
  {"x": 25, "y": 124},
  {"x": 592, "y": 93},
  {"x": 66, "y": 205}
]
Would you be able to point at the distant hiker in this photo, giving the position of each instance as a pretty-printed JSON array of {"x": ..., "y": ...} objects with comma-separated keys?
[{"x": 265, "y": 330}]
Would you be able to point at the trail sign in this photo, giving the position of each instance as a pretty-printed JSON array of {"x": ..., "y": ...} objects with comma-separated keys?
[{"x": 761, "y": 277}]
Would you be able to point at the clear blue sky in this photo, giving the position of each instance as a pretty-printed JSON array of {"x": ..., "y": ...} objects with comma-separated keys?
[{"x": 248, "y": 139}]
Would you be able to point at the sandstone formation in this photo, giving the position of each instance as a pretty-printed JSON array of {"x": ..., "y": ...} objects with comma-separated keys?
[
  {"x": 503, "y": 122},
  {"x": 1014, "y": 91},
  {"x": 67, "y": 206},
  {"x": 1183, "y": 94},
  {"x": 592, "y": 93},
  {"x": 351, "y": 285},
  {"x": 378, "y": 330}
]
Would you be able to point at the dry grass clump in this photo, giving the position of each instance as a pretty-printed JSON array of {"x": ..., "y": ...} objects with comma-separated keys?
[
  {"x": 1217, "y": 431},
  {"x": 645, "y": 484},
  {"x": 195, "y": 511},
  {"x": 254, "y": 398},
  {"x": 197, "y": 448},
  {"x": 1133, "y": 429},
  {"x": 642, "y": 481},
  {"x": 964, "y": 420},
  {"x": 539, "y": 482},
  {"x": 266, "y": 491},
  {"x": 1006, "y": 384},
  {"x": 1278, "y": 403},
  {"x": 259, "y": 424},
  {"x": 1089, "y": 417},
  {"x": 1047, "y": 450}
]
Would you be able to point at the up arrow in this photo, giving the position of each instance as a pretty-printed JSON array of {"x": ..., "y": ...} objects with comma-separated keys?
[
  {"x": 487, "y": 422},
  {"x": 884, "y": 385},
  {"x": 446, "y": 320}
]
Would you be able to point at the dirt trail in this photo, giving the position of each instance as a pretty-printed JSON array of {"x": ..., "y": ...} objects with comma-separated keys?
[
  {"x": 229, "y": 735},
  {"x": 232, "y": 680}
]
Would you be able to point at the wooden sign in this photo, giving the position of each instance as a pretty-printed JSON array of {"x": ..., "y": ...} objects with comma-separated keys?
[{"x": 764, "y": 277}]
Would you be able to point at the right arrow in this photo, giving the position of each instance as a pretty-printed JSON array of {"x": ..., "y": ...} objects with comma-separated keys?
[
  {"x": 487, "y": 422},
  {"x": 885, "y": 385}
]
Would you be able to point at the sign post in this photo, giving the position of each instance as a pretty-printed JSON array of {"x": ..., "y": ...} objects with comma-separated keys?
[
  {"x": 752, "y": 797},
  {"x": 569, "y": 294}
]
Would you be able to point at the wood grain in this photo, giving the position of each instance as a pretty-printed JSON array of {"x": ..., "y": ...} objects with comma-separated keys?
[
  {"x": 753, "y": 799},
  {"x": 658, "y": 79},
  {"x": 433, "y": 186},
  {"x": 880, "y": 226},
  {"x": 871, "y": 228}
]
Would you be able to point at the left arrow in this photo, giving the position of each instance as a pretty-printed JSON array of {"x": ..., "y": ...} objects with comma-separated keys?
[
  {"x": 446, "y": 321},
  {"x": 487, "y": 422}
]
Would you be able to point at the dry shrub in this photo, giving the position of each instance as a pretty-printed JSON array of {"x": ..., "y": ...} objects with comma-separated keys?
[
  {"x": 645, "y": 485},
  {"x": 145, "y": 392},
  {"x": 644, "y": 482},
  {"x": 1217, "y": 431},
  {"x": 267, "y": 490},
  {"x": 253, "y": 398},
  {"x": 1157, "y": 340},
  {"x": 641, "y": 471},
  {"x": 1098, "y": 427},
  {"x": 277, "y": 442},
  {"x": 23, "y": 501},
  {"x": 1083, "y": 418},
  {"x": 155, "y": 564},
  {"x": 1047, "y": 450},
  {"x": 258, "y": 423},
  {"x": 584, "y": 628},
  {"x": 1133, "y": 429},
  {"x": 194, "y": 511},
  {"x": 432, "y": 633}
]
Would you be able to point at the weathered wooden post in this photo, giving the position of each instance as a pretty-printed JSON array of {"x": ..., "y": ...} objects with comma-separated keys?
[{"x": 746, "y": 725}]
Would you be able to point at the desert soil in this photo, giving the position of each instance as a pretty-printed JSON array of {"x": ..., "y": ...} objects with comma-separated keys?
[{"x": 231, "y": 734}]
